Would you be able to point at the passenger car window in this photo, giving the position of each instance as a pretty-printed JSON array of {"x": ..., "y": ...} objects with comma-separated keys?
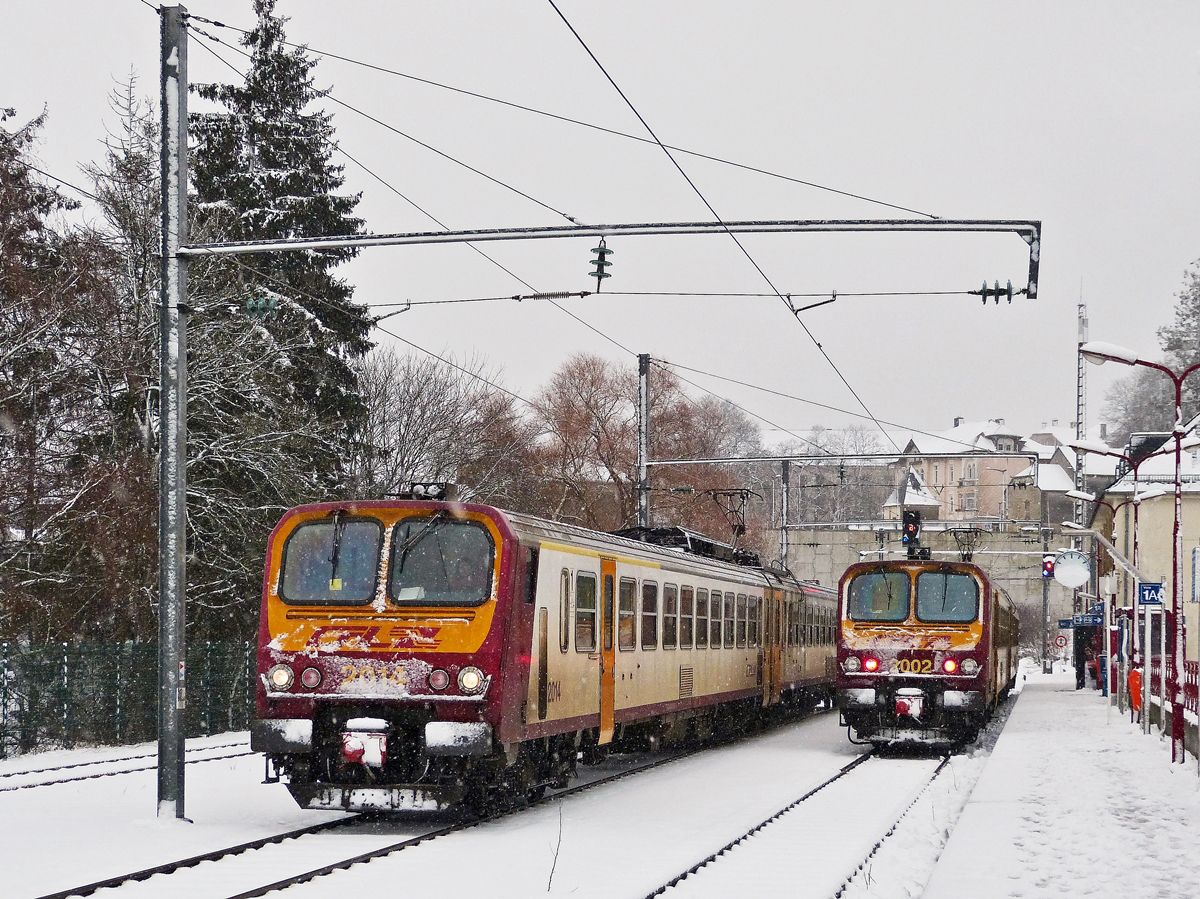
[
  {"x": 686, "y": 610},
  {"x": 670, "y": 597},
  {"x": 879, "y": 596},
  {"x": 585, "y": 612},
  {"x": 627, "y": 614},
  {"x": 947, "y": 597},
  {"x": 729, "y": 601},
  {"x": 741, "y": 620},
  {"x": 331, "y": 561},
  {"x": 701, "y": 619},
  {"x": 649, "y": 615}
]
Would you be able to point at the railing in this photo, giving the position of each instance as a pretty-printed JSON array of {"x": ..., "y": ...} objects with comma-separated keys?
[
  {"x": 1191, "y": 682},
  {"x": 61, "y": 696}
]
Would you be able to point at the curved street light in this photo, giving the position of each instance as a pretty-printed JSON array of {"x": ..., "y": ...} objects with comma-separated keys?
[{"x": 1098, "y": 352}]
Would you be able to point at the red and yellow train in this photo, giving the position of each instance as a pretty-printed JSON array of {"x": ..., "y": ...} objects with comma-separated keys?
[
  {"x": 417, "y": 654},
  {"x": 925, "y": 651}
]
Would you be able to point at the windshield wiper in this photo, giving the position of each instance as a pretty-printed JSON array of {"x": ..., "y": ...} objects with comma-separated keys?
[
  {"x": 339, "y": 525},
  {"x": 403, "y": 550}
]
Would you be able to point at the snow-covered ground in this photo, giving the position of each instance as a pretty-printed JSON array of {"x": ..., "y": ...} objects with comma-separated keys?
[{"x": 1067, "y": 804}]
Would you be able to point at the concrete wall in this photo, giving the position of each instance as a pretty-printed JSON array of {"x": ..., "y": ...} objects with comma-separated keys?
[{"x": 1012, "y": 559}]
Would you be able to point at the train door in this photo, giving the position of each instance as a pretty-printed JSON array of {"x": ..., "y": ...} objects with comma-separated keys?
[
  {"x": 608, "y": 658},
  {"x": 766, "y": 653}
]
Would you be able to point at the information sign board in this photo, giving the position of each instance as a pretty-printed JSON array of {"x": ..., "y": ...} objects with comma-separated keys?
[
  {"x": 1065, "y": 624},
  {"x": 1087, "y": 620},
  {"x": 1150, "y": 594}
]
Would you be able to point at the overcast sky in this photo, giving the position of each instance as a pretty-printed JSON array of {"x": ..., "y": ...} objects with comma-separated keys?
[{"x": 1082, "y": 115}]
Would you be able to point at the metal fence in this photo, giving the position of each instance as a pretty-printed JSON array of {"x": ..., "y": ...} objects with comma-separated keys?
[{"x": 61, "y": 696}]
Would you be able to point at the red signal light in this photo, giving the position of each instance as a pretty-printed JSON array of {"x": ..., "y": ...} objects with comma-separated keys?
[
  {"x": 949, "y": 666},
  {"x": 870, "y": 663}
]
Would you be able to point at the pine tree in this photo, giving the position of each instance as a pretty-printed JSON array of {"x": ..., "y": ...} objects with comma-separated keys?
[{"x": 262, "y": 169}]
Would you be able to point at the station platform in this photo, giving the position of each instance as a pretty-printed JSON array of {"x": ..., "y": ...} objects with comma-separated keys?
[{"x": 1073, "y": 801}]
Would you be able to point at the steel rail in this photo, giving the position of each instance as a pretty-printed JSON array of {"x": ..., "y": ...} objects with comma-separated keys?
[{"x": 99, "y": 774}]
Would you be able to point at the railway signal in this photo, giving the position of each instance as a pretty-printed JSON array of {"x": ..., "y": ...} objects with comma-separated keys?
[
  {"x": 910, "y": 532},
  {"x": 601, "y": 262},
  {"x": 1047, "y": 566}
]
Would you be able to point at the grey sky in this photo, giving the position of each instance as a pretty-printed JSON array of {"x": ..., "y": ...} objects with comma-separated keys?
[{"x": 1083, "y": 115}]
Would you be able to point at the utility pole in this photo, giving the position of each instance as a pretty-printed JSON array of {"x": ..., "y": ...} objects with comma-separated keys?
[
  {"x": 786, "y": 517},
  {"x": 172, "y": 477},
  {"x": 643, "y": 440}
]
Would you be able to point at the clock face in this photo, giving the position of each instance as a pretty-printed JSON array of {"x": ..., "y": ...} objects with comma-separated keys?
[{"x": 1072, "y": 569}]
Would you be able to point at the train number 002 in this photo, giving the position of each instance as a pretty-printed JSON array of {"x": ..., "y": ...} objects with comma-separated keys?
[{"x": 913, "y": 666}]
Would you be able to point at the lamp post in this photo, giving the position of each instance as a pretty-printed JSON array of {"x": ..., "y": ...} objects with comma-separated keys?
[{"x": 1099, "y": 353}]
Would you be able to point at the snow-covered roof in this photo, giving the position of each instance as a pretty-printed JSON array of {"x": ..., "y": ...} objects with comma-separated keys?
[
  {"x": 913, "y": 492},
  {"x": 965, "y": 437}
]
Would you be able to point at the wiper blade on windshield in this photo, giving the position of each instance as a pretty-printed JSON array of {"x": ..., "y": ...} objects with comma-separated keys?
[{"x": 403, "y": 550}]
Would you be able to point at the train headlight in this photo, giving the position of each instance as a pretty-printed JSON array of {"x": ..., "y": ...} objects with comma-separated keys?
[
  {"x": 870, "y": 663},
  {"x": 969, "y": 667},
  {"x": 949, "y": 666},
  {"x": 311, "y": 678},
  {"x": 470, "y": 680},
  {"x": 439, "y": 679},
  {"x": 851, "y": 664},
  {"x": 281, "y": 677}
]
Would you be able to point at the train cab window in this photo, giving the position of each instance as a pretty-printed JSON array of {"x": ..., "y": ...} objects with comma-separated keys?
[
  {"x": 331, "y": 561},
  {"x": 879, "y": 596},
  {"x": 627, "y": 614},
  {"x": 947, "y": 597},
  {"x": 701, "y": 619},
  {"x": 585, "y": 612},
  {"x": 649, "y": 615},
  {"x": 670, "y": 598},
  {"x": 441, "y": 561},
  {"x": 564, "y": 610},
  {"x": 686, "y": 610},
  {"x": 729, "y": 619}
]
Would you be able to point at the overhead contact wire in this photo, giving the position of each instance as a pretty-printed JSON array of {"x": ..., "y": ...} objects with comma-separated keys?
[{"x": 717, "y": 217}]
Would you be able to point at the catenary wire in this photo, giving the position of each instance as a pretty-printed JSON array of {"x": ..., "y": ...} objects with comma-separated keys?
[
  {"x": 554, "y": 302},
  {"x": 569, "y": 120},
  {"x": 717, "y": 217},
  {"x": 366, "y": 115}
]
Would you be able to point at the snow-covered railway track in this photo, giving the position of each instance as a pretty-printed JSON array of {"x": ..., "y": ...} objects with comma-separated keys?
[
  {"x": 817, "y": 842},
  {"x": 274, "y": 863},
  {"x": 108, "y": 767}
]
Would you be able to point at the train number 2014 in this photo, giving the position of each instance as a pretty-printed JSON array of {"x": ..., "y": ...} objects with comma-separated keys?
[
  {"x": 369, "y": 672},
  {"x": 912, "y": 666}
]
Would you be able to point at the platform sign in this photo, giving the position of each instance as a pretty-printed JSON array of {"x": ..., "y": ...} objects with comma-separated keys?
[
  {"x": 1087, "y": 620},
  {"x": 1150, "y": 594},
  {"x": 1096, "y": 608}
]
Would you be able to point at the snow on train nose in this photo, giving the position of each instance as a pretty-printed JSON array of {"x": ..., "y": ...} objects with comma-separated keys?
[
  {"x": 910, "y": 702},
  {"x": 364, "y": 741}
]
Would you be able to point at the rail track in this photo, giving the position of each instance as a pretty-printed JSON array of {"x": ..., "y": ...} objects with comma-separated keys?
[
  {"x": 108, "y": 767},
  {"x": 265, "y": 861}
]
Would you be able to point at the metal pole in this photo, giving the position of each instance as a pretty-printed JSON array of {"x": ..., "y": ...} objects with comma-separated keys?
[
  {"x": 1177, "y": 747},
  {"x": 172, "y": 516},
  {"x": 785, "y": 517},
  {"x": 1047, "y": 668},
  {"x": 643, "y": 439}
]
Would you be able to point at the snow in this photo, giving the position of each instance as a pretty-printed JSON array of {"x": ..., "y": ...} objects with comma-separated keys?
[{"x": 1072, "y": 800}]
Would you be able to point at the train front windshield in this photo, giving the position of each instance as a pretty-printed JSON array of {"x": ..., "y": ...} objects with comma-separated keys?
[
  {"x": 438, "y": 560},
  {"x": 879, "y": 596},
  {"x": 946, "y": 597},
  {"x": 331, "y": 561}
]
